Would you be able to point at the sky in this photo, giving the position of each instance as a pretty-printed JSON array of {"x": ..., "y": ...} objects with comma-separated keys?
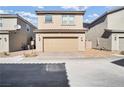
[{"x": 28, "y": 12}]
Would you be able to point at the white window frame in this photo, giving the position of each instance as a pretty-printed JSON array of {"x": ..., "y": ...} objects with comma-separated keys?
[{"x": 68, "y": 21}]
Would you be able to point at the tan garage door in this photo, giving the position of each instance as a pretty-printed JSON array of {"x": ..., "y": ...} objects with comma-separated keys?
[{"x": 66, "y": 44}]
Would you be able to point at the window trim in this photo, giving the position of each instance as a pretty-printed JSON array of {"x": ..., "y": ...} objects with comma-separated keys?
[{"x": 68, "y": 24}]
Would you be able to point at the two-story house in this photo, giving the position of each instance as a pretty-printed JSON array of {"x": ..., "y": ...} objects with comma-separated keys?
[
  {"x": 60, "y": 31},
  {"x": 15, "y": 32},
  {"x": 107, "y": 31}
]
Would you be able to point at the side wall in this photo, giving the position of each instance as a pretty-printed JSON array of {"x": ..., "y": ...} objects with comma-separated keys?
[
  {"x": 96, "y": 35},
  {"x": 25, "y": 26},
  {"x": 21, "y": 37},
  {"x": 116, "y": 20}
]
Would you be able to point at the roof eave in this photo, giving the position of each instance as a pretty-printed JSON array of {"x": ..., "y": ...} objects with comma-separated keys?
[{"x": 60, "y": 12}]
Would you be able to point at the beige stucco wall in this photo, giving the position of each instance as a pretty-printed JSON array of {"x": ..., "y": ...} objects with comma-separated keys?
[
  {"x": 116, "y": 20},
  {"x": 95, "y": 35},
  {"x": 4, "y": 42},
  {"x": 39, "y": 40},
  {"x": 57, "y": 22},
  {"x": 8, "y": 23}
]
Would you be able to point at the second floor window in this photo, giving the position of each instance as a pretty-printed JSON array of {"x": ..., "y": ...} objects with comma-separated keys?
[
  {"x": 0, "y": 22},
  {"x": 67, "y": 19},
  {"x": 48, "y": 18}
]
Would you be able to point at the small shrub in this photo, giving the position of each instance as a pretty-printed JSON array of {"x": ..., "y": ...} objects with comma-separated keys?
[
  {"x": 4, "y": 54},
  {"x": 30, "y": 54},
  {"x": 122, "y": 52}
]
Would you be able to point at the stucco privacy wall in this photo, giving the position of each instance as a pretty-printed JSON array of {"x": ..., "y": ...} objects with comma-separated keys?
[
  {"x": 57, "y": 22},
  {"x": 4, "y": 42},
  {"x": 95, "y": 34},
  {"x": 116, "y": 20},
  {"x": 39, "y": 39}
]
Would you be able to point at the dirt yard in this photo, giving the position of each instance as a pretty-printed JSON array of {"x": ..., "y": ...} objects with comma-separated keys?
[
  {"x": 27, "y": 53},
  {"x": 98, "y": 53},
  {"x": 86, "y": 53}
]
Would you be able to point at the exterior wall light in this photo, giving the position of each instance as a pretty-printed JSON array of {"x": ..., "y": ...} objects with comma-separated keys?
[
  {"x": 5, "y": 39},
  {"x": 39, "y": 38},
  {"x": 115, "y": 38},
  {"x": 81, "y": 38}
]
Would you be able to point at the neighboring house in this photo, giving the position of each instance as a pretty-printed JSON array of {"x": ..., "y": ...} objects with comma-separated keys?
[
  {"x": 107, "y": 31},
  {"x": 86, "y": 25},
  {"x": 60, "y": 31},
  {"x": 15, "y": 32}
]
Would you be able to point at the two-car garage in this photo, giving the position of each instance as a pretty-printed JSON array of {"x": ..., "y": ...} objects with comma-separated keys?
[{"x": 60, "y": 44}]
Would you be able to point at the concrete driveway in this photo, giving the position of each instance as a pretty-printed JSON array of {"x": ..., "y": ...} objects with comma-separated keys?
[
  {"x": 107, "y": 72},
  {"x": 87, "y": 72}
]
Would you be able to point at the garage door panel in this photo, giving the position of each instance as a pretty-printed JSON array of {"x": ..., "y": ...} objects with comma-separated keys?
[
  {"x": 4, "y": 45},
  {"x": 121, "y": 43},
  {"x": 60, "y": 44}
]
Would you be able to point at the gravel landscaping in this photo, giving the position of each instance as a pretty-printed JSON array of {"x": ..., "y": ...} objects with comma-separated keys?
[{"x": 86, "y": 53}]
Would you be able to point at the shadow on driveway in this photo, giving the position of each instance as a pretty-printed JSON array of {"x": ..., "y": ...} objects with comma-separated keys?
[
  {"x": 33, "y": 75},
  {"x": 119, "y": 62}
]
